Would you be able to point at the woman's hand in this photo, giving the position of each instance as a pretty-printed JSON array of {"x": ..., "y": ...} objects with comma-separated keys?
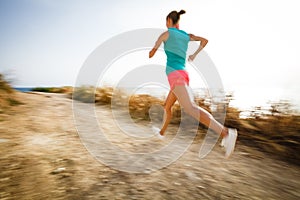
[
  {"x": 152, "y": 52},
  {"x": 192, "y": 57}
]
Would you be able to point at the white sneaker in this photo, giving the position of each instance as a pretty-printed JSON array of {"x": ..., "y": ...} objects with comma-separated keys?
[
  {"x": 157, "y": 133},
  {"x": 229, "y": 141},
  {"x": 222, "y": 142}
]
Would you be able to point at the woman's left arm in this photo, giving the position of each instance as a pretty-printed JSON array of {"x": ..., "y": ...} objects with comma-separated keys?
[{"x": 203, "y": 43}]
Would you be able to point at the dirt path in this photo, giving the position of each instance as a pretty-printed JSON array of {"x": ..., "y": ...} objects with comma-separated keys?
[{"x": 42, "y": 157}]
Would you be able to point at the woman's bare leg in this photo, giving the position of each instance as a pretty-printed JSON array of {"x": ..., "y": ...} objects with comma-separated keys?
[
  {"x": 185, "y": 100},
  {"x": 171, "y": 99}
]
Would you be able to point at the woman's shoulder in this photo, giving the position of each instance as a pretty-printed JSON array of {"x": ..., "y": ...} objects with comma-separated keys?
[
  {"x": 182, "y": 31},
  {"x": 178, "y": 31}
]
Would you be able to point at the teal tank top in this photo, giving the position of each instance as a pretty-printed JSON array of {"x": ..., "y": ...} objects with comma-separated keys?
[{"x": 175, "y": 48}]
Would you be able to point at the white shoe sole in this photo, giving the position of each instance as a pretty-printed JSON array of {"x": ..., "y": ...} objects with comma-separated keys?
[
  {"x": 157, "y": 133},
  {"x": 230, "y": 142}
]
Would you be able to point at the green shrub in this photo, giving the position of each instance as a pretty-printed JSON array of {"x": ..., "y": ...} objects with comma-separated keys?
[
  {"x": 4, "y": 85},
  {"x": 85, "y": 94}
]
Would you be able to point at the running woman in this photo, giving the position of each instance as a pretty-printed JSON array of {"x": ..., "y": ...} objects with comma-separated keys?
[{"x": 175, "y": 46}]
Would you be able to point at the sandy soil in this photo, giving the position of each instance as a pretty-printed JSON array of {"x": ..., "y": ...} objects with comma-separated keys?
[{"x": 42, "y": 157}]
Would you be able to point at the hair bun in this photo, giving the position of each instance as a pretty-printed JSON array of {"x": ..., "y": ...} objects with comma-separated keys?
[{"x": 181, "y": 12}]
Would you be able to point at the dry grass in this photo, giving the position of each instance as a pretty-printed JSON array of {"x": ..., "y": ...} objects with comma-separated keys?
[
  {"x": 7, "y": 96},
  {"x": 277, "y": 135}
]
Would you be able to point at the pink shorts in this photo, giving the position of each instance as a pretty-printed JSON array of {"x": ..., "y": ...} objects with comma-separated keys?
[{"x": 178, "y": 77}]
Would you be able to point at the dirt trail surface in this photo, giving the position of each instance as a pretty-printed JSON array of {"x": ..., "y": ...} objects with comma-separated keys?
[{"x": 42, "y": 157}]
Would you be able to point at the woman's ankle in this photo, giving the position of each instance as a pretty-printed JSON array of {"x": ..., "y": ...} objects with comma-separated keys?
[{"x": 224, "y": 132}]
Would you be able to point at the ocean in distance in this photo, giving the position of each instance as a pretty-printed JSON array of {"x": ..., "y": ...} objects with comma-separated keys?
[{"x": 23, "y": 89}]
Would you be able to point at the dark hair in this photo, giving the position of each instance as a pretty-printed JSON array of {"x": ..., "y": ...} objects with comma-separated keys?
[{"x": 175, "y": 16}]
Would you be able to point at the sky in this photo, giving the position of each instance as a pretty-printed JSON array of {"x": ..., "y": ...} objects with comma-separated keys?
[{"x": 254, "y": 44}]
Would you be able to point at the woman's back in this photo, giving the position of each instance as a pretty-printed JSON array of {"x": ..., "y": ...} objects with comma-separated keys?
[{"x": 175, "y": 48}]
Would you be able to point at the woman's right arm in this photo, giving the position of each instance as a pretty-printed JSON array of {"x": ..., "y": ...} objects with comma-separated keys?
[{"x": 162, "y": 38}]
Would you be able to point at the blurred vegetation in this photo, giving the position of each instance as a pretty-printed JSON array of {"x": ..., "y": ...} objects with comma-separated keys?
[
  {"x": 275, "y": 129},
  {"x": 4, "y": 85},
  {"x": 7, "y": 95},
  {"x": 85, "y": 94}
]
